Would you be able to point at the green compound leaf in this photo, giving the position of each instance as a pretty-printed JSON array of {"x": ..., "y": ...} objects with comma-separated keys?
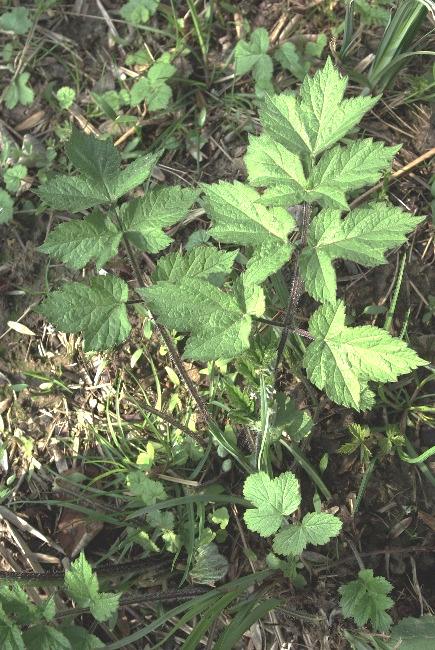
[
  {"x": 239, "y": 219},
  {"x": 363, "y": 236},
  {"x": 366, "y": 599},
  {"x": 138, "y": 11},
  {"x": 414, "y": 633},
  {"x": 348, "y": 168},
  {"x": 135, "y": 173},
  {"x": 15, "y": 604},
  {"x": 97, "y": 309},
  {"x": 316, "y": 528},
  {"x": 209, "y": 263},
  {"x": 101, "y": 179},
  {"x": 98, "y": 160},
  {"x": 45, "y": 638},
  {"x": 153, "y": 88},
  {"x": 82, "y": 587},
  {"x": 266, "y": 260},
  {"x": 104, "y": 606},
  {"x": 253, "y": 56},
  {"x": 17, "y": 21},
  {"x": 318, "y": 118},
  {"x": 342, "y": 360},
  {"x": 76, "y": 242},
  {"x": 80, "y": 582},
  {"x": 220, "y": 322},
  {"x": 148, "y": 490},
  {"x": 71, "y": 193},
  {"x": 273, "y": 499},
  {"x": 19, "y": 92},
  {"x": 144, "y": 218},
  {"x": 271, "y": 165}
]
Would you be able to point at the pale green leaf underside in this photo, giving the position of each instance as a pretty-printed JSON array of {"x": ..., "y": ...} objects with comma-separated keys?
[
  {"x": 318, "y": 118},
  {"x": 289, "y": 419},
  {"x": 238, "y": 219},
  {"x": 219, "y": 322},
  {"x": 144, "y": 217},
  {"x": 273, "y": 499},
  {"x": 363, "y": 236},
  {"x": 207, "y": 263},
  {"x": 77, "y": 241},
  {"x": 97, "y": 309},
  {"x": 316, "y": 528},
  {"x": 342, "y": 360}
]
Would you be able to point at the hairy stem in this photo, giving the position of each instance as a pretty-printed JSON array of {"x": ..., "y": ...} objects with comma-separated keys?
[
  {"x": 175, "y": 423},
  {"x": 296, "y": 290}
]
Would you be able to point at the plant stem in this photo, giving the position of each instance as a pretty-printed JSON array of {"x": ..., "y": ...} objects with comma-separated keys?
[
  {"x": 296, "y": 289},
  {"x": 175, "y": 423},
  {"x": 290, "y": 328}
]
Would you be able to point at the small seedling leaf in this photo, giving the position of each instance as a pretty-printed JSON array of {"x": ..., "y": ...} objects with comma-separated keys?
[
  {"x": 316, "y": 528},
  {"x": 273, "y": 499},
  {"x": 153, "y": 89},
  {"x": 253, "y": 56},
  {"x": 366, "y": 600},
  {"x": 17, "y": 21},
  {"x": 19, "y": 92}
]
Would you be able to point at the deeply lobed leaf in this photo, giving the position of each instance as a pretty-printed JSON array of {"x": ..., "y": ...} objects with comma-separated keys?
[
  {"x": 342, "y": 360},
  {"x": 309, "y": 125},
  {"x": 273, "y": 499},
  {"x": 366, "y": 599},
  {"x": 363, "y": 236}
]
